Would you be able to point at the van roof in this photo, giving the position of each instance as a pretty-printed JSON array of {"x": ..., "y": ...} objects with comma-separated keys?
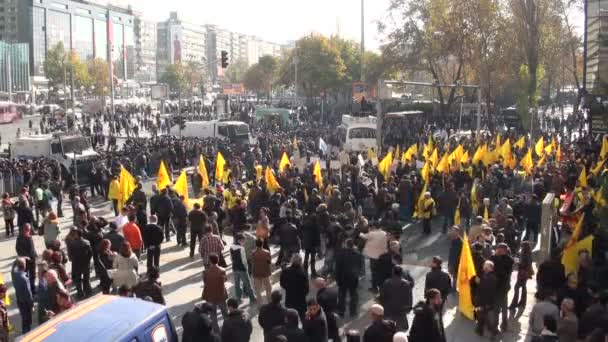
[{"x": 101, "y": 318}]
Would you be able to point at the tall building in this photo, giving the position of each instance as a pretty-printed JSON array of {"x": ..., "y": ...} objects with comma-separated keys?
[
  {"x": 14, "y": 68},
  {"x": 145, "y": 50},
  {"x": 257, "y": 48},
  {"x": 80, "y": 26},
  {"x": 595, "y": 77},
  {"x": 9, "y": 19},
  {"x": 180, "y": 41}
]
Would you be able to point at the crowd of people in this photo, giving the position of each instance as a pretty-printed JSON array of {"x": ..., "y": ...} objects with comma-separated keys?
[{"x": 351, "y": 217}]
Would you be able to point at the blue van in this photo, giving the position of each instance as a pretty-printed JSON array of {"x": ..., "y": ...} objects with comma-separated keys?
[{"x": 108, "y": 318}]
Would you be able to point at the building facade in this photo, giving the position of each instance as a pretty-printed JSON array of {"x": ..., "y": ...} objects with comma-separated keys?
[
  {"x": 81, "y": 27},
  {"x": 180, "y": 42},
  {"x": 144, "y": 61},
  {"x": 14, "y": 68},
  {"x": 596, "y": 52},
  {"x": 9, "y": 20}
]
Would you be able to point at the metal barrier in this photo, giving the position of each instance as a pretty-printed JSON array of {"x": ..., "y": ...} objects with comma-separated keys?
[
  {"x": 547, "y": 220},
  {"x": 8, "y": 183}
]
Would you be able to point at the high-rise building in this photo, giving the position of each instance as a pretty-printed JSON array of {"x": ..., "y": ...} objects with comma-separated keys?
[
  {"x": 9, "y": 20},
  {"x": 145, "y": 50},
  {"x": 80, "y": 26},
  {"x": 14, "y": 68},
  {"x": 596, "y": 57},
  {"x": 180, "y": 42}
]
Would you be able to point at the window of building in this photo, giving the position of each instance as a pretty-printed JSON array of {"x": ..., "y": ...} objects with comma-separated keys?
[
  {"x": 83, "y": 37},
  {"x": 101, "y": 39}
]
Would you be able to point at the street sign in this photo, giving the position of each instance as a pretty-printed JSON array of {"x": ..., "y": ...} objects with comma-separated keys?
[
  {"x": 233, "y": 89},
  {"x": 359, "y": 91}
]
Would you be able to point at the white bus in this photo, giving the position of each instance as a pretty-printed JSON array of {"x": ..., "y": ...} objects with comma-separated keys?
[{"x": 358, "y": 134}]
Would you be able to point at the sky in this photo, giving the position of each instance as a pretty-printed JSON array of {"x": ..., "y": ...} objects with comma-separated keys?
[
  {"x": 281, "y": 21},
  {"x": 277, "y": 21}
]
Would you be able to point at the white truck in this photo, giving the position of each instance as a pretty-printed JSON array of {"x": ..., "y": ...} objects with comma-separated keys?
[
  {"x": 235, "y": 131},
  {"x": 358, "y": 134},
  {"x": 69, "y": 150}
]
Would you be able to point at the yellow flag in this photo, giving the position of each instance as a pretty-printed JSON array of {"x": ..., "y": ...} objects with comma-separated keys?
[
  {"x": 271, "y": 182},
  {"x": 371, "y": 154},
  {"x": 582, "y": 178},
  {"x": 520, "y": 143},
  {"x": 490, "y": 157},
  {"x": 434, "y": 158},
  {"x": 420, "y": 203},
  {"x": 398, "y": 150},
  {"x": 466, "y": 272},
  {"x": 425, "y": 173},
  {"x": 465, "y": 157},
  {"x": 6, "y": 299},
  {"x": 480, "y": 153},
  {"x": 412, "y": 150},
  {"x": 181, "y": 186},
  {"x": 540, "y": 146},
  {"x": 163, "y": 179},
  {"x": 385, "y": 165},
  {"x": 497, "y": 144},
  {"x": 220, "y": 163},
  {"x": 505, "y": 149},
  {"x": 126, "y": 186},
  {"x": 318, "y": 175},
  {"x": 510, "y": 161},
  {"x": 486, "y": 213},
  {"x": 549, "y": 148},
  {"x": 598, "y": 197},
  {"x": 443, "y": 165},
  {"x": 259, "y": 172},
  {"x": 284, "y": 162},
  {"x": 558, "y": 153},
  {"x": 604, "y": 150},
  {"x": 191, "y": 201},
  {"x": 570, "y": 256},
  {"x": 474, "y": 203},
  {"x": 426, "y": 152},
  {"x": 598, "y": 167},
  {"x": 527, "y": 163},
  {"x": 202, "y": 170},
  {"x": 541, "y": 161}
]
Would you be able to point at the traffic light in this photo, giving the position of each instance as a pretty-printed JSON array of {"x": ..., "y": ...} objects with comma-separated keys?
[{"x": 224, "y": 59}]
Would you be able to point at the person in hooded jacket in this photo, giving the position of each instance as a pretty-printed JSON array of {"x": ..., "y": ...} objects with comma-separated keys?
[
  {"x": 198, "y": 326},
  {"x": 427, "y": 325},
  {"x": 237, "y": 326}
]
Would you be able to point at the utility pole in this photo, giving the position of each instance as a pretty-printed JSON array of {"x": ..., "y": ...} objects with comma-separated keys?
[
  {"x": 110, "y": 40},
  {"x": 295, "y": 63},
  {"x": 9, "y": 76},
  {"x": 362, "y": 39}
]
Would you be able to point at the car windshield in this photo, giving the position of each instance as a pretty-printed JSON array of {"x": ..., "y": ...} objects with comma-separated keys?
[
  {"x": 241, "y": 129},
  {"x": 71, "y": 145},
  {"x": 362, "y": 133}
]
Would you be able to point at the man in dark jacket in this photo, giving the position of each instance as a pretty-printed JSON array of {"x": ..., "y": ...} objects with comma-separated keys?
[
  {"x": 180, "y": 217},
  {"x": 503, "y": 266},
  {"x": 165, "y": 209},
  {"x": 349, "y": 263},
  {"x": 315, "y": 322},
  {"x": 116, "y": 240},
  {"x": 140, "y": 201},
  {"x": 237, "y": 326},
  {"x": 289, "y": 241},
  {"x": 311, "y": 242},
  {"x": 198, "y": 326},
  {"x": 427, "y": 325},
  {"x": 380, "y": 330},
  {"x": 290, "y": 329},
  {"x": 328, "y": 299},
  {"x": 80, "y": 253},
  {"x": 151, "y": 287},
  {"x": 388, "y": 260},
  {"x": 197, "y": 219},
  {"x": 486, "y": 300},
  {"x": 551, "y": 275},
  {"x": 438, "y": 279},
  {"x": 272, "y": 314},
  {"x": 396, "y": 298},
  {"x": 23, "y": 292},
  {"x": 152, "y": 234}
]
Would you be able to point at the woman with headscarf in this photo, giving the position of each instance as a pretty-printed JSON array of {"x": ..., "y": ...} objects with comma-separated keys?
[
  {"x": 125, "y": 264},
  {"x": 50, "y": 227}
]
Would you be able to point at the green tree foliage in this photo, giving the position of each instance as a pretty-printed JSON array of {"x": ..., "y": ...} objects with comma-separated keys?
[
  {"x": 236, "y": 71},
  {"x": 261, "y": 76},
  {"x": 100, "y": 76},
  {"x": 175, "y": 77},
  {"x": 58, "y": 65}
]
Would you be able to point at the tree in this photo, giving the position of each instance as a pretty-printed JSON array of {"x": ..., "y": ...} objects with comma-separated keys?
[
  {"x": 261, "y": 76},
  {"x": 175, "y": 77},
  {"x": 320, "y": 66},
  {"x": 236, "y": 71},
  {"x": 100, "y": 76},
  {"x": 55, "y": 65},
  {"x": 82, "y": 77}
]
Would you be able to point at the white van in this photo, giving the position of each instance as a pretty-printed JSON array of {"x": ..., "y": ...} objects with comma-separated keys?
[
  {"x": 358, "y": 134},
  {"x": 235, "y": 131}
]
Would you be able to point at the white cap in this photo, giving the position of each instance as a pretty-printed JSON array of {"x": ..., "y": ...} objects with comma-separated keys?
[{"x": 400, "y": 337}]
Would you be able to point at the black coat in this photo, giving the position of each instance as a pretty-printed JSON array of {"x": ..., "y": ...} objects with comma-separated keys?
[
  {"x": 295, "y": 283},
  {"x": 380, "y": 331},
  {"x": 440, "y": 280},
  {"x": 328, "y": 300},
  {"x": 80, "y": 254},
  {"x": 150, "y": 289},
  {"x": 396, "y": 296},
  {"x": 25, "y": 247},
  {"x": 165, "y": 206},
  {"x": 311, "y": 235},
  {"x": 486, "y": 291},
  {"x": 503, "y": 267},
  {"x": 293, "y": 334},
  {"x": 152, "y": 234},
  {"x": 271, "y": 316},
  {"x": 197, "y": 328},
  {"x": 550, "y": 275},
  {"x": 316, "y": 327},
  {"x": 426, "y": 326},
  {"x": 349, "y": 264},
  {"x": 115, "y": 239},
  {"x": 237, "y": 327}
]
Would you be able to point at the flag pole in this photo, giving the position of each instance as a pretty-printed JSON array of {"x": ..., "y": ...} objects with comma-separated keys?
[{"x": 110, "y": 40}]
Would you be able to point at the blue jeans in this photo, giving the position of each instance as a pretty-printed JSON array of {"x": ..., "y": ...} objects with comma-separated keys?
[{"x": 242, "y": 276}]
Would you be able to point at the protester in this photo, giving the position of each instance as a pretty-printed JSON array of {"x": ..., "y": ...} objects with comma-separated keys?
[
  {"x": 375, "y": 246},
  {"x": 214, "y": 292},
  {"x": 261, "y": 262},
  {"x": 380, "y": 330},
  {"x": 396, "y": 297},
  {"x": 315, "y": 322},
  {"x": 80, "y": 253},
  {"x": 23, "y": 292},
  {"x": 152, "y": 235},
  {"x": 427, "y": 325},
  {"x": 290, "y": 329},
  {"x": 327, "y": 298},
  {"x": 151, "y": 287},
  {"x": 274, "y": 314},
  {"x": 237, "y": 326},
  {"x": 438, "y": 279},
  {"x": 125, "y": 267},
  {"x": 240, "y": 270}
]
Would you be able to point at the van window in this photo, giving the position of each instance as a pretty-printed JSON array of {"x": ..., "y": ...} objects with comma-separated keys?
[
  {"x": 56, "y": 148},
  {"x": 222, "y": 130},
  {"x": 159, "y": 333}
]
